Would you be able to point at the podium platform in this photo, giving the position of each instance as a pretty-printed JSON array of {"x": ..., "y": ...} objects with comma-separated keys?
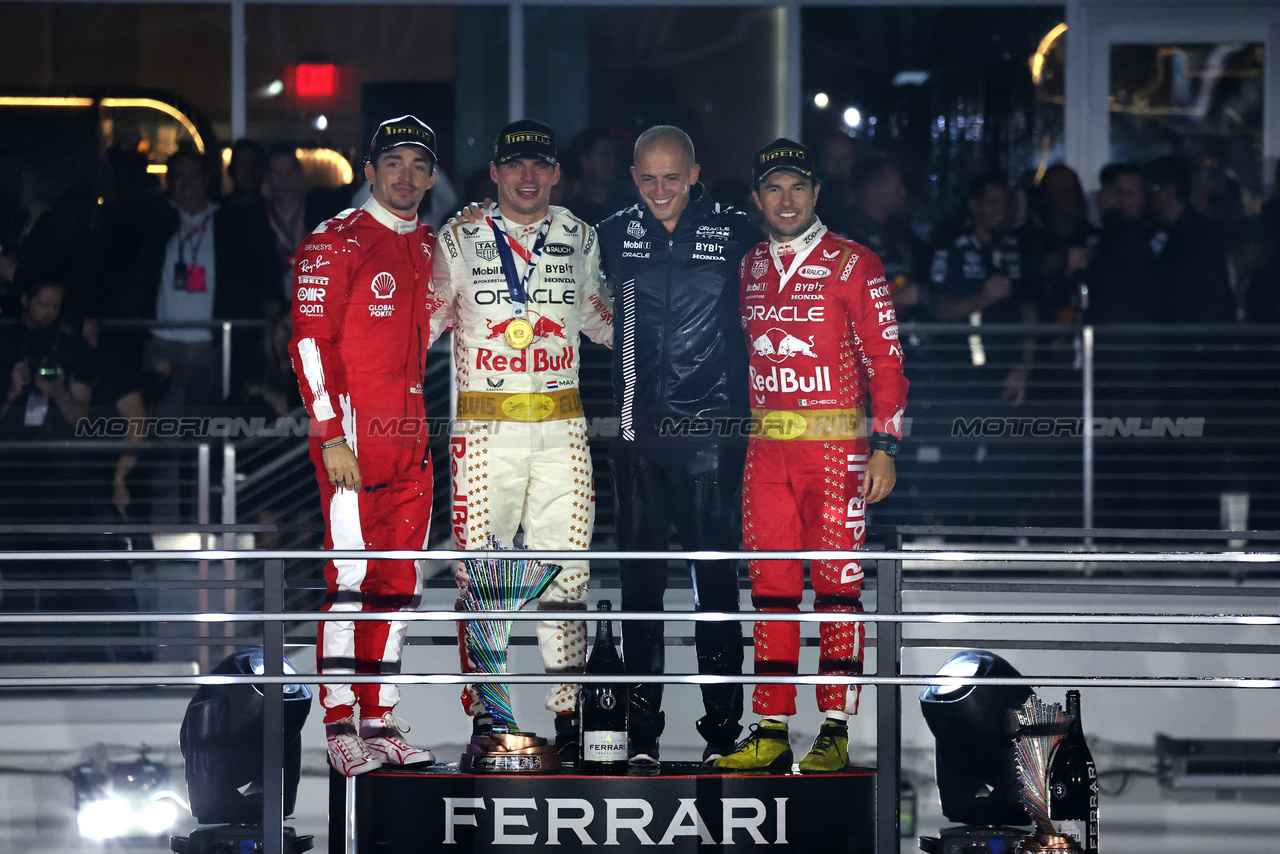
[{"x": 439, "y": 809}]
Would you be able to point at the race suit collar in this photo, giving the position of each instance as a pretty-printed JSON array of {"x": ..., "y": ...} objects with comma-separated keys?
[
  {"x": 397, "y": 224},
  {"x": 801, "y": 245}
]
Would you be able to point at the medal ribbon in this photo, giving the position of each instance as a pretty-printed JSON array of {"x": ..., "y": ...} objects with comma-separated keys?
[{"x": 517, "y": 286}]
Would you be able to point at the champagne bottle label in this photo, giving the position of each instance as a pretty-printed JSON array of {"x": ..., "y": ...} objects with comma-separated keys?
[
  {"x": 600, "y": 746},
  {"x": 1072, "y": 829}
]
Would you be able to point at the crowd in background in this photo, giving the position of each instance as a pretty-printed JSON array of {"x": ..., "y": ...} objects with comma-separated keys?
[{"x": 1161, "y": 242}]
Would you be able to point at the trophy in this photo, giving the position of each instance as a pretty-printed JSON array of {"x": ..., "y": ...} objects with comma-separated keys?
[
  {"x": 1040, "y": 728},
  {"x": 502, "y": 585}
]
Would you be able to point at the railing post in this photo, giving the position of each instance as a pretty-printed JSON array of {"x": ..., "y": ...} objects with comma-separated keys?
[
  {"x": 228, "y": 537},
  {"x": 273, "y": 710},
  {"x": 202, "y": 568},
  {"x": 226, "y": 359},
  {"x": 888, "y": 699},
  {"x": 1087, "y": 432}
]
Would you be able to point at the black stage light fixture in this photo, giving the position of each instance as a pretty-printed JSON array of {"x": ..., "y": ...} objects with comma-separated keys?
[
  {"x": 221, "y": 740},
  {"x": 973, "y": 728}
]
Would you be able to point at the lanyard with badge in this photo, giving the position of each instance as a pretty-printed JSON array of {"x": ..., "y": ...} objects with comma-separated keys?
[
  {"x": 519, "y": 332},
  {"x": 191, "y": 278}
]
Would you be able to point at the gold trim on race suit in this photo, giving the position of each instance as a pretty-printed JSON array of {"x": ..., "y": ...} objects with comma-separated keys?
[
  {"x": 558, "y": 405},
  {"x": 814, "y": 425}
]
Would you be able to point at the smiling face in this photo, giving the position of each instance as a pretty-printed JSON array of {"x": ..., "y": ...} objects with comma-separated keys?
[
  {"x": 663, "y": 176},
  {"x": 786, "y": 199},
  {"x": 400, "y": 178},
  {"x": 524, "y": 187}
]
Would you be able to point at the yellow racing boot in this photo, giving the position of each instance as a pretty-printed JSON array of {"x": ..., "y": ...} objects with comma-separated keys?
[{"x": 766, "y": 750}]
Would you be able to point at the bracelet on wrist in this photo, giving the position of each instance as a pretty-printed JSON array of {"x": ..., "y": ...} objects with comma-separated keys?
[{"x": 333, "y": 443}]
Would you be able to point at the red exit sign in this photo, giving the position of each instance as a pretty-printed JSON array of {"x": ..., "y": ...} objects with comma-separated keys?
[{"x": 313, "y": 80}]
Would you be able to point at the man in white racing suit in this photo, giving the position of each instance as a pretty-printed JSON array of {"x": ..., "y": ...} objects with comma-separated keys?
[{"x": 518, "y": 286}]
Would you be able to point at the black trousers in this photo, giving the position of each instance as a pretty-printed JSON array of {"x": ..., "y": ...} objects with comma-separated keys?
[{"x": 698, "y": 488}]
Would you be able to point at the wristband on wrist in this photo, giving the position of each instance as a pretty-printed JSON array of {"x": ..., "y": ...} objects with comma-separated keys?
[
  {"x": 333, "y": 443},
  {"x": 884, "y": 442}
]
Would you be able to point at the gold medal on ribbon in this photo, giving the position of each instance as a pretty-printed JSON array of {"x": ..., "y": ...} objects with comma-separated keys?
[{"x": 519, "y": 333}]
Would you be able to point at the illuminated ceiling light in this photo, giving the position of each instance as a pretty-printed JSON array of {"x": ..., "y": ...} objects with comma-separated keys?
[
  {"x": 167, "y": 109},
  {"x": 853, "y": 117},
  {"x": 272, "y": 89},
  {"x": 1037, "y": 59},
  {"x": 910, "y": 78},
  {"x": 321, "y": 122},
  {"x": 330, "y": 158},
  {"x": 9, "y": 101},
  {"x": 821, "y": 101}
]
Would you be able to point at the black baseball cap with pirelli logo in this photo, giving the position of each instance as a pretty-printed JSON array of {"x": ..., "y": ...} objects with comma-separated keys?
[
  {"x": 785, "y": 154},
  {"x": 406, "y": 130},
  {"x": 525, "y": 138}
]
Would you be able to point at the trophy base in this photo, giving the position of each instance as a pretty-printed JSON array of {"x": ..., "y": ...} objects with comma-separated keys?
[{"x": 509, "y": 753}]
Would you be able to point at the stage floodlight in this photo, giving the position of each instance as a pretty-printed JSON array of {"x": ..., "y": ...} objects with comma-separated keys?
[
  {"x": 973, "y": 729},
  {"x": 117, "y": 800},
  {"x": 221, "y": 741}
]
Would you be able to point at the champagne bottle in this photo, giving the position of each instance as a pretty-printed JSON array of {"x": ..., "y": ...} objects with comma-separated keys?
[
  {"x": 604, "y": 707},
  {"x": 1073, "y": 784}
]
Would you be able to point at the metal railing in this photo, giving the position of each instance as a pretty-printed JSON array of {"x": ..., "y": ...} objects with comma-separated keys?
[
  {"x": 889, "y": 618},
  {"x": 1121, "y": 426}
]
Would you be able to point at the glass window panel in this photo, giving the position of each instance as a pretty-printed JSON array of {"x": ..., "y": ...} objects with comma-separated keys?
[
  {"x": 716, "y": 73},
  {"x": 1199, "y": 101},
  {"x": 947, "y": 92},
  {"x": 163, "y": 70}
]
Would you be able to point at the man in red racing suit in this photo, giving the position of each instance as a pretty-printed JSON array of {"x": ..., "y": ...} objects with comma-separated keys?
[
  {"x": 360, "y": 321},
  {"x": 822, "y": 337}
]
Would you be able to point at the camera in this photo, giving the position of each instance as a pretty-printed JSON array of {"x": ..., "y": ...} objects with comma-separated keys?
[{"x": 47, "y": 367}]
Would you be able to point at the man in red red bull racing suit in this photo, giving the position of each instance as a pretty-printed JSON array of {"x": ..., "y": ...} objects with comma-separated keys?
[{"x": 823, "y": 342}]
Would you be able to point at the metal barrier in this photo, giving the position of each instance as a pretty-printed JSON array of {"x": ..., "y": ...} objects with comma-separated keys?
[
  {"x": 889, "y": 618},
  {"x": 1121, "y": 426}
]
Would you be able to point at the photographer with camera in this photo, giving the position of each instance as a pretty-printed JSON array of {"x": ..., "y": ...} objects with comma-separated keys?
[{"x": 50, "y": 370}]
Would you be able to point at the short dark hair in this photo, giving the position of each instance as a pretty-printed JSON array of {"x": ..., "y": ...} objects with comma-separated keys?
[
  {"x": 245, "y": 146},
  {"x": 979, "y": 183},
  {"x": 1171, "y": 170},
  {"x": 868, "y": 169},
  {"x": 282, "y": 150},
  {"x": 1112, "y": 171},
  {"x": 188, "y": 151}
]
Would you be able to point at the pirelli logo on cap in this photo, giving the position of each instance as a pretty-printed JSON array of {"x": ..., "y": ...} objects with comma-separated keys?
[
  {"x": 526, "y": 136},
  {"x": 410, "y": 130},
  {"x": 777, "y": 153}
]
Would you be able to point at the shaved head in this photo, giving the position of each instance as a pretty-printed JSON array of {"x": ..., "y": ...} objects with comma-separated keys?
[{"x": 665, "y": 136}]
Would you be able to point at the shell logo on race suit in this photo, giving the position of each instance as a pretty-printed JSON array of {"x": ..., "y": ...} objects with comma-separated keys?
[{"x": 383, "y": 285}]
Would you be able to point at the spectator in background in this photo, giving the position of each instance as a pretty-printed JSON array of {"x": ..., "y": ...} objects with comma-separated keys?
[
  {"x": 199, "y": 262},
  {"x": 1191, "y": 254},
  {"x": 876, "y": 222},
  {"x": 1056, "y": 244},
  {"x": 1123, "y": 284},
  {"x": 836, "y": 156},
  {"x": 288, "y": 213},
  {"x": 247, "y": 169},
  {"x": 1252, "y": 272},
  {"x": 599, "y": 194},
  {"x": 50, "y": 370},
  {"x": 978, "y": 276},
  {"x": 51, "y": 242}
]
